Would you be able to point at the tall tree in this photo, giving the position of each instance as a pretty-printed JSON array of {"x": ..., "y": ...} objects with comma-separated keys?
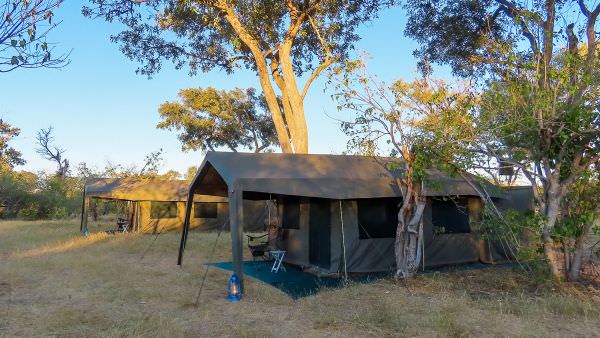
[
  {"x": 412, "y": 121},
  {"x": 279, "y": 40},
  {"x": 24, "y": 26},
  {"x": 51, "y": 152},
  {"x": 210, "y": 118},
  {"x": 541, "y": 111},
  {"x": 9, "y": 156}
]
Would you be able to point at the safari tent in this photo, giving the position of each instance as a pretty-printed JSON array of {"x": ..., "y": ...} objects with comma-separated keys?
[
  {"x": 339, "y": 213},
  {"x": 157, "y": 205}
]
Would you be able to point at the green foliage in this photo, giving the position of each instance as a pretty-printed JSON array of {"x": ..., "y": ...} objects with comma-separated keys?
[
  {"x": 425, "y": 122},
  {"x": 516, "y": 231},
  {"x": 149, "y": 169},
  {"x": 198, "y": 33},
  {"x": 581, "y": 208},
  {"x": 33, "y": 196},
  {"x": 457, "y": 32},
  {"x": 278, "y": 40},
  {"x": 540, "y": 103},
  {"x": 29, "y": 196},
  {"x": 557, "y": 123},
  {"x": 190, "y": 173},
  {"x": 208, "y": 118},
  {"x": 24, "y": 25},
  {"x": 9, "y": 157}
]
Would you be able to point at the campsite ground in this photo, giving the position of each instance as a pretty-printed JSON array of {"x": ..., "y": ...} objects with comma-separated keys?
[{"x": 54, "y": 282}]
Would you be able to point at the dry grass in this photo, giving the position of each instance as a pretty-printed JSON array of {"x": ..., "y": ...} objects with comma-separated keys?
[{"x": 55, "y": 283}]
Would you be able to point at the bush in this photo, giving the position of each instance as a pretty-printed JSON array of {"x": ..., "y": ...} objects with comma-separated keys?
[{"x": 29, "y": 196}]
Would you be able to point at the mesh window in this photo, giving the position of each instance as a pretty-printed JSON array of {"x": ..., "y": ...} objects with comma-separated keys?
[
  {"x": 377, "y": 217},
  {"x": 163, "y": 210},
  {"x": 205, "y": 209},
  {"x": 291, "y": 212},
  {"x": 450, "y": 216}
]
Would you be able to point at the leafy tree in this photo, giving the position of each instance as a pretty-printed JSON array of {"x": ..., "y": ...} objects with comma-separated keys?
[
  {"x": 190, "y": 173},
  {"x": 9, "y": 157},
  {"x": 413, "y": 120},
  {"x": 15, "y": 191},
  {"x": 279, "y": 40},
  {"x": 24, "y": 26},
  {"x": 38, "y": 196},
  {"x": 210, "y": 118},
  {"x": 540, "y": 110},
  {"x": 171, "y": 175},
  {"x": 152, "y": 163},
  {"x": 581, "y": 212},
  {"x": 550, "y": 132},
  {"x": 51, "y": 152}
]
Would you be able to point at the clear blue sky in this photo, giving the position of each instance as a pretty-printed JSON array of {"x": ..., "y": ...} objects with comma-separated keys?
[{"x": 101, "y": 110}]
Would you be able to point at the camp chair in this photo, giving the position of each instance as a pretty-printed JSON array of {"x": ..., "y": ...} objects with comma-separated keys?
[
  {"x": 122, "y": 226},
  {"x": 259, "y": 246}
]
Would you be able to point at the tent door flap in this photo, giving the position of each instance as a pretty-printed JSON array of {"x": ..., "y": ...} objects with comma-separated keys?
[{"x": 319, "y": 237}]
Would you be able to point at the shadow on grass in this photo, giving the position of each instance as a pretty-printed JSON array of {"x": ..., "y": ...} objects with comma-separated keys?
[{"x": 295, "y": 282}]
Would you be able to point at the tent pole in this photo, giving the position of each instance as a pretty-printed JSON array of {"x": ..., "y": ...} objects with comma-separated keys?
[
  {"x": 237, "y": 232},
  {"x": 343, "y": 243},
  {"x": 422, "y": 233},
  {"x": 82, "y": 211},
  {"x": 137, "y": 216},
  {"x": 84, "y": 214},
  {"x": 186, "y": 223}
]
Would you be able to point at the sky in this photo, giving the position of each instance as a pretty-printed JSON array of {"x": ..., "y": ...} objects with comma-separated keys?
[{"x": 101, "y": 110}]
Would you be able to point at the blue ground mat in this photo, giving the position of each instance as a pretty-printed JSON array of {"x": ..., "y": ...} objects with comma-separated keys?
[
  {"x": 297, "y": 283},
  {"x": 294, "y": 282}
]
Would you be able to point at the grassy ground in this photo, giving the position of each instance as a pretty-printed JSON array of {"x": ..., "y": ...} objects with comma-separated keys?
[{"x": 55, "y": 283}]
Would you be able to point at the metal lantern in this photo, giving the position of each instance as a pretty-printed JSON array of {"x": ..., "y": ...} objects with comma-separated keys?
[{"x": 234, "y": 289}]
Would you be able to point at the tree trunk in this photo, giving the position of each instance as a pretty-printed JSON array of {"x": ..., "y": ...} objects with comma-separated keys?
[
  {"x": 273, "y": 105},
  {"x": 551, "y": 250},
  {"x": 574, "y": 271},
  {"x": 408, "y": 236},
  {"x": 263, "y": 76},
  {"x": 299, "y": 130}
]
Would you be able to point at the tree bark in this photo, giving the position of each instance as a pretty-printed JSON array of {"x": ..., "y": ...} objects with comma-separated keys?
[
  {"x": 551, "y": 250},
  {"x": 574, "y": 271},
  {"x": 408, "y": 233},
  {"x": 408, "y": 241},
  {"x": 296, "y": 103},
  {"x": 263, "y": 76}
]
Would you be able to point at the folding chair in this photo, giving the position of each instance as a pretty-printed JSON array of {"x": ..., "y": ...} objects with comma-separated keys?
[
  {"x": 122, "y": 226},
  {"x": 259, "y": 246}
]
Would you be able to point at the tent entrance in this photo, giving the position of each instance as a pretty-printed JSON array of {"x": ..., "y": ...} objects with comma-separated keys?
[{"x": 319, "y": 233}]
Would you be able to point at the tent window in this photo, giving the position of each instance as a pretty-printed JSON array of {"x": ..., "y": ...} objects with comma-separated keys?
[
  {"x": 205, "y": 209},
  {"x": 291, "y": 212},
  {"x": 450, "y": 216},
  {"x": 163, "y": 210},
  {"x": 377, "y": 217}
]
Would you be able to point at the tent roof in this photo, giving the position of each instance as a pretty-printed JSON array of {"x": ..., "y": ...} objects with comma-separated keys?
[
  {"x": 327, "y": 176},
  {"x": 142, "y": 189}
]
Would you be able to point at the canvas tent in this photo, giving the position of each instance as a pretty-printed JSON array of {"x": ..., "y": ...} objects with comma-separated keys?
[
  {"x": 340, "y": 212},
  {"x": 158, "y": 205}
]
